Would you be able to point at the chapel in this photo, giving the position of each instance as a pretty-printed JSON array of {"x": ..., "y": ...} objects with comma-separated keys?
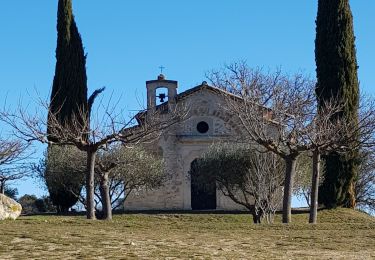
[{"x": 184, "y": 142}]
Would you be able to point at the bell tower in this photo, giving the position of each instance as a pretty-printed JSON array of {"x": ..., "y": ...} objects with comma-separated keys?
[{"x": 161, "y": 83}]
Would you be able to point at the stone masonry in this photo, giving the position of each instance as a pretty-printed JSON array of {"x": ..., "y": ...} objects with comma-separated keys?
[{"x": 183, "y": 143}]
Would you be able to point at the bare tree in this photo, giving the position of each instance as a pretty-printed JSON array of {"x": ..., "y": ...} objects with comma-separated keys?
[
  {"x": 302, "y": 184},
  {"x": 273, "y": 110},
  {"x": 248, "y": 177},
  {"x": 12, "y": 162},
  {"x": 266, "y": 179},
  {"x": 365, "y": 184},
  {"x": 89, "y": 133},
  {"x": 324, "y": 135},
  {"x": 329, "y": 134},
  {"x": 279, "y": 113}
]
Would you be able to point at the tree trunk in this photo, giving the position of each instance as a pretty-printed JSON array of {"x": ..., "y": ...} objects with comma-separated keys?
[
  {"x": 290, "y": 170},
  {"x": 106, "y": 199},
  {"x": 256, "y": 217},
  {"x": 90, "y": 174},
  {"x": 314, "y": 187},
  {"x": 61, "y": 210},
  {"x": 2, "y": 187}
]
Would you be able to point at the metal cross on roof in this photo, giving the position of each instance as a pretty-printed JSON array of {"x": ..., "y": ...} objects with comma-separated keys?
[{"x": 161, "y": 69}]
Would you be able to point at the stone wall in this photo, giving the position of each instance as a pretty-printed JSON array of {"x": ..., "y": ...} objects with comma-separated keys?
[{"x": 181, "y": 145}]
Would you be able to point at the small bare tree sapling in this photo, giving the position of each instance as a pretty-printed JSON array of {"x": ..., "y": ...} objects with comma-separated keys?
[
  {"x": 250, "y": 178},
  {"x": 302, "y": 184},
  {"x": 365, "y": 184}
]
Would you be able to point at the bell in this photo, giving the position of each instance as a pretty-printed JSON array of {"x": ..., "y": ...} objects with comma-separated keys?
[{"x": 161, "y": 97}]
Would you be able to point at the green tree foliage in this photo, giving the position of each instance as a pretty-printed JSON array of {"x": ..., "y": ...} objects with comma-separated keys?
[
  {"x": 44, "y": 204},
  {"x": 336, "y": 64},
  {"x": 250, "y": 178},
  {"x": 11, "y": 192},
  {"x": 302, "y": 182},
  {"x": 121, "y": 171},
  {"x": 32, "y": 205},
  {"x": 62, "y": 171},
  {"x": 28, "y": 204}
]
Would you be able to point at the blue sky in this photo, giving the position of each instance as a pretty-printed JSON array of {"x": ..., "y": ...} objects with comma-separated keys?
[{"x": 127, "y": 41}]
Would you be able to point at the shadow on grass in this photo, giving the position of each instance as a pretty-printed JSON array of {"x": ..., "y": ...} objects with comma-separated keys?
[{"x": 295, "y": 211}]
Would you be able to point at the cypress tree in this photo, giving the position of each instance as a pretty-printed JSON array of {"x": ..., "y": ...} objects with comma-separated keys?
[
  {"x": 336, "y": 68},
  {"x": 69, "y": 89},
  {"x": 68, "y": 96}
]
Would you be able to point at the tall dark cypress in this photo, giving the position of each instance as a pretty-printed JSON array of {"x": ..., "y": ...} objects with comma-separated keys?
[
  {"x": 68, "y": 99},
  {"x": 69, "y": 89},
  {"x": 336, "y": 68}
]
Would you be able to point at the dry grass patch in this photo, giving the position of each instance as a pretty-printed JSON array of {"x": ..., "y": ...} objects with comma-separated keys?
[{"x": 340, "y": 234}]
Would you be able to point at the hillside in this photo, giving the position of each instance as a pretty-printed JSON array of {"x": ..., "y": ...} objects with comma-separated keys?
[{"x": 340, "y": 234}]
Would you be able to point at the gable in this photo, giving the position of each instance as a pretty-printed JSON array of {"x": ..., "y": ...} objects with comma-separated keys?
[{"x": 206, "y": 107}]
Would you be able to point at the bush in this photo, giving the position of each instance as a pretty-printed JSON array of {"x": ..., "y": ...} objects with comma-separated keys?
[
  {"x": 32, "y": 205},
  {"x": 62, "y": 171}
]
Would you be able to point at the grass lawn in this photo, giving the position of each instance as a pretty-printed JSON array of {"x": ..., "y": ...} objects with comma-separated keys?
[{"x": 340, "y": 234}]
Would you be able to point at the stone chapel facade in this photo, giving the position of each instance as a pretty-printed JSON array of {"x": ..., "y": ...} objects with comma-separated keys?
[{"x": 184, "y": 142}]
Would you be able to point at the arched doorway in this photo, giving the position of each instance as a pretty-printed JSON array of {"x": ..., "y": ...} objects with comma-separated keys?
[{"x": 203, "y": 193}]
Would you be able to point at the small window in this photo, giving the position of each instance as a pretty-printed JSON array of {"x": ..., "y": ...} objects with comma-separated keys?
[{"x": 202, "y": 127}]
